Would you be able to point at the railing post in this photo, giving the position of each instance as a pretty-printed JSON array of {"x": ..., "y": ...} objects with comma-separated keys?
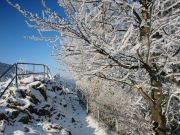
[
  {"x": 87, "y": 106},
  {"x": 16, "y": 75},
  {"x": 33, "y": 71},
  {"x": 44, "y": 72},
  {"x": 46, "y": 69},
  {"x": 25, "y": 69},
  {"x": 117, "y": 125},
  {"x": 98, "y": 114},
  {"x": 47, "y": 73}
]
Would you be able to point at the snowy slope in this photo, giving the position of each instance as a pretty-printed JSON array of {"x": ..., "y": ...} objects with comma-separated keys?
[{"x": 44, "y": 108}]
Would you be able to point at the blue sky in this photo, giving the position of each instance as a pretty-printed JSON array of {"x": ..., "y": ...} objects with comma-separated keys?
[{"x": 13, "y": 45}]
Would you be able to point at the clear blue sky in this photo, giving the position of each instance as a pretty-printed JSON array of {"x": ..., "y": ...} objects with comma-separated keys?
[{"x": 13, "y": 45}]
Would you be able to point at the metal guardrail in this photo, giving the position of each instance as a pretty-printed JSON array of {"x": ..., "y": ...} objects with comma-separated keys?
[{"x": 46, "y": 72}]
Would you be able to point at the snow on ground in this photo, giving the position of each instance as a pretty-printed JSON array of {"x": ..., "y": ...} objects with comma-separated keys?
[
  {"x": 44, "y": 108},
  {"x": 94, "y": 124}
]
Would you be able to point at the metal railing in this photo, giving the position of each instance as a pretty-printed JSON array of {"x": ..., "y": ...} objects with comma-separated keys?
[{"x": 46, "y": 73}]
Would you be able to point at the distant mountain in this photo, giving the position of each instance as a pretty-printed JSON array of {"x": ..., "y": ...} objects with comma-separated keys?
[{"x": 3, "y": 68}]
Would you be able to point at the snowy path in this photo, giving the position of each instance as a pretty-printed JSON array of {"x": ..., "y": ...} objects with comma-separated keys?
[{"x": 82, "y": 124}]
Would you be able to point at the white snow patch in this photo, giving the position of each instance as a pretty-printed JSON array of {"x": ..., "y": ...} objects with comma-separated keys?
[
  {"x": 94, "y": 124},
  {"x": 27, "y": 80}
]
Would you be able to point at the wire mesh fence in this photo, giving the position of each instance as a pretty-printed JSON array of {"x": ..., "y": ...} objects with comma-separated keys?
[{"x": 117, "y": 121}]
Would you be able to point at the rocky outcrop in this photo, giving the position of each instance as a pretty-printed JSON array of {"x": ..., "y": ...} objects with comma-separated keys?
[{"x": 32, "y": 103}]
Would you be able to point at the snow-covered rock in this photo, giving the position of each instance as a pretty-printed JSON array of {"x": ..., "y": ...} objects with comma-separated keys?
[{"x": 43, "y": 107}]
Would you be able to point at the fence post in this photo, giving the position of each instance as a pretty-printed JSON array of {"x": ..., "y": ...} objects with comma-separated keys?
[
  {"x": 47, "y": 72},
  {"x": 87, "y": 106},
  {"x": 98, "y": 114},
  {"x": 16, "y": 75},
  {"x": 33, "y": 71},
  {"x": 117, "y": 125},
  {"x": 44, "y": 72},
  {"x": 25, "y": 69}
]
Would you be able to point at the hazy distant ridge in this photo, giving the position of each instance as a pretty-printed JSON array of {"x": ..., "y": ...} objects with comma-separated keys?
[{"x": 3, "y": 67}]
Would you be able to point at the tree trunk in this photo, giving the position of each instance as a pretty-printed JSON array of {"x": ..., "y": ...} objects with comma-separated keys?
[
  {"x": 158, "y": 119},
  {"x": 157, "y": 116}
]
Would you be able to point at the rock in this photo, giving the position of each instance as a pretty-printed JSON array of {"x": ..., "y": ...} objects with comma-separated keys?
[
  {"x": 15, "y": 114},
  {"x": 43, "y": 92},
  {"x": 24, "y": 119},
  {"x": 32, "y": 109},
  {"x": 40, "y": 112},
  {"x": 26, "y": 129},
  {"x": 53, "y": 88},
  {"x": 56, "y": 88},
  {"x": 11, "y": 93},
  {"x": 43, "y": 112},
  {"x": 23, "y": 94},
  {"x": 73, "y": 120},
  {"x": 33, "y": 99},
  {"x": 3, "y": 117},
  {"x": 59, "y": 88},
  {"x": 37, "y": 119},
  {"x": 52, "y": 109},
  {"x": 65, "y": 105},
  {"x": 60, "y": 114},
  {"x": 54, "y": 127},
  {"x": 14, "y": 103}
]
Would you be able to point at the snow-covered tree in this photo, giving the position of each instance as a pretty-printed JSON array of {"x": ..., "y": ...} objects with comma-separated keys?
[{"x": 133, "y": 43}]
